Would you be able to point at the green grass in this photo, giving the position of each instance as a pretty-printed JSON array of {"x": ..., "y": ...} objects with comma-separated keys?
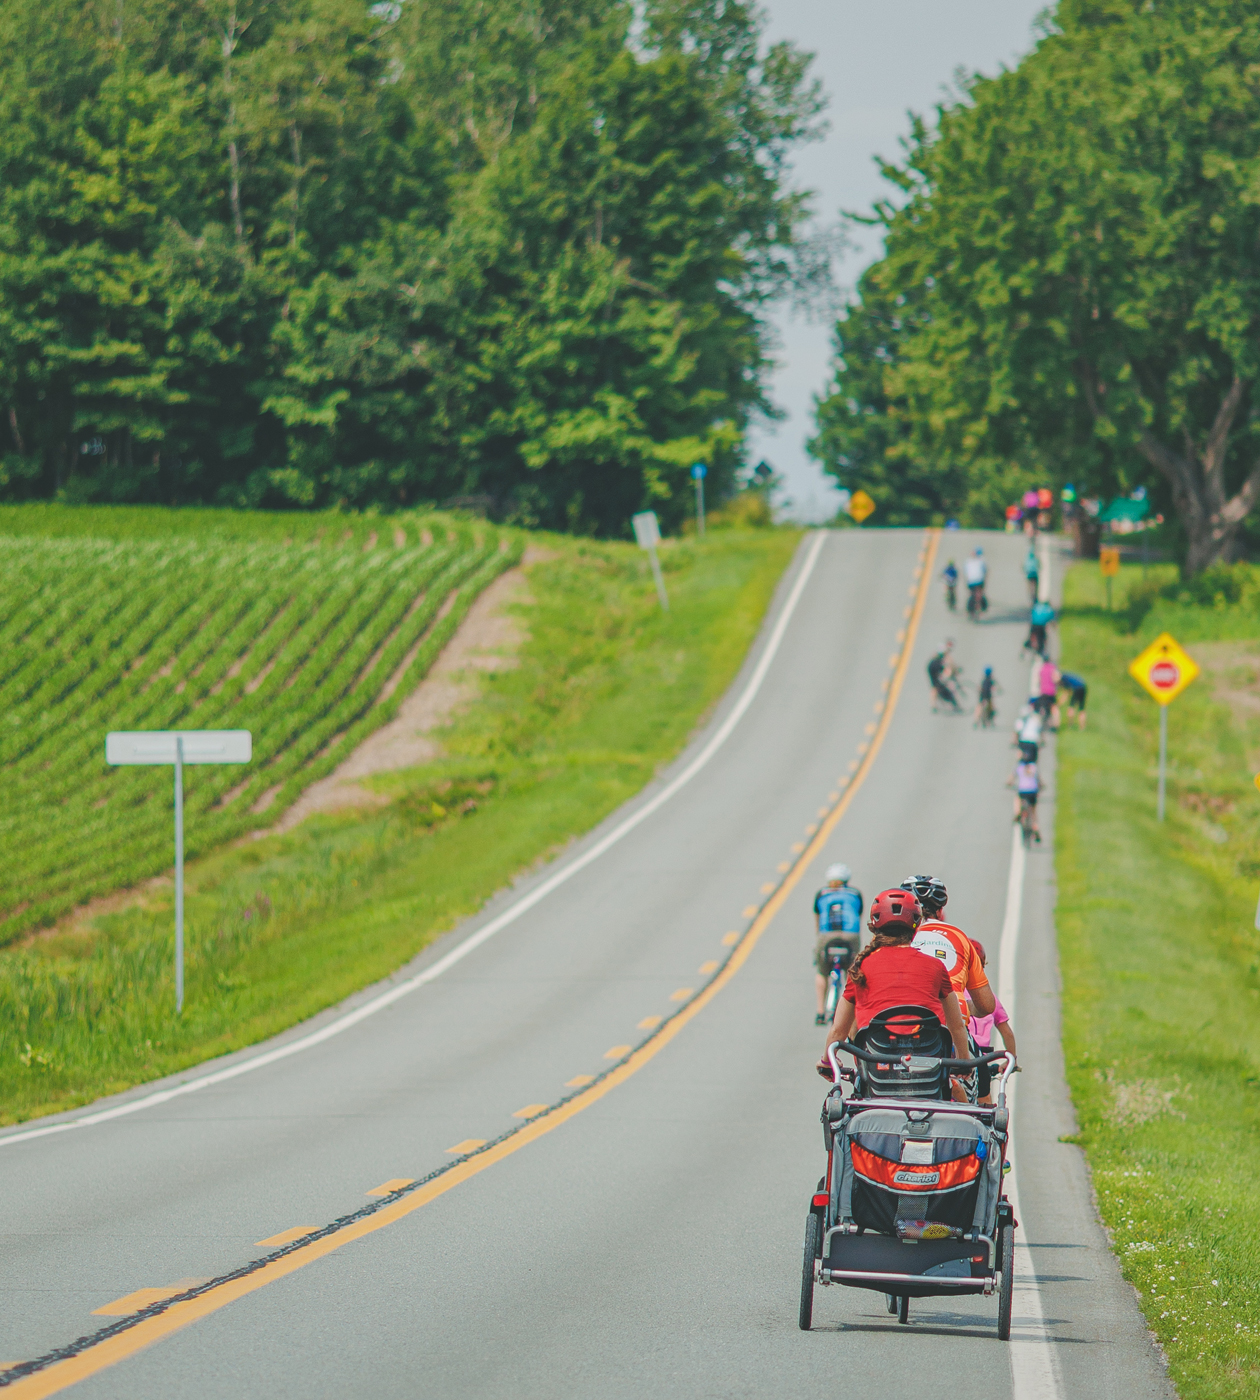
[
  {"x": 1161, "y": 982},
  {"x": 608, "y": 690},
  {"x": 307, "y": 630}
]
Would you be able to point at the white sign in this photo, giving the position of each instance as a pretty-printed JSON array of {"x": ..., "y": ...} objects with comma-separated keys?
[
  {"x": 647, "y": 530},
  {"x": 158, "y": 746}
]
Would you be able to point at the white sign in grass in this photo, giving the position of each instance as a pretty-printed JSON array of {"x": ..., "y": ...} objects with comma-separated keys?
[
  {"x": 179, "y": 746},
  {"x": 647, "y": 534}
]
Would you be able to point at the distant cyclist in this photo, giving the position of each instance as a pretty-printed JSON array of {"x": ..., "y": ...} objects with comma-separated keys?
[
  {"x": 1077, "y": 691},
  {"x": 976, "y": 571},
  {"x": 1039, "y": 619},
  {"x": 1046, "y": 699},
  {"x": 838, "y": 910},
  {"x": 1028, "y": 733},
  {"x": 941, "y": 672},
  {"x": 985, "y": 711},
  {"x": 1027, "y": 783},
  {"x": 950, "y": 574},
  {"x": 1032, "y": 572}
]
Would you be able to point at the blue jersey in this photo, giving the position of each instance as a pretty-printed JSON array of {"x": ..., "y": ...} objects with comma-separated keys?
[{"x": 839, "y": 910}]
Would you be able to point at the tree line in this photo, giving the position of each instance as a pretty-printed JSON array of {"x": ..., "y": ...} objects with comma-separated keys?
[
  {"x": 316, "y": 252},
  {"x": 1070, "y": 290}
]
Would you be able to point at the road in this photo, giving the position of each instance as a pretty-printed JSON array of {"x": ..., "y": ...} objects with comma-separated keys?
[{"x": 644, "y": 1239}]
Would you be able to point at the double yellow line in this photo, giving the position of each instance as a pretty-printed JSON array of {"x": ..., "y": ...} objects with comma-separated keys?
[{"x": 60, "y": 1374}]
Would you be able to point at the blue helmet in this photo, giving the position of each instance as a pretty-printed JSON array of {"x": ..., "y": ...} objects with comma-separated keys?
[{"x": 988, "y": 670}]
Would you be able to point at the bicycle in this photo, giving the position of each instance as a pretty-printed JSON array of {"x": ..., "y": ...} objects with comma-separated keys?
[
  {"x": 977, "y": 603},
  {"x": 1027, "y": 812}
]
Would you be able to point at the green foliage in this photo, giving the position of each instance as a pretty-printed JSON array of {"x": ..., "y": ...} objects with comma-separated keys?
[
  {"x": 1160, "y": 970},
  {"x": 1070, "y": 275},
  {"x": 309, "y": 643},
  {"x": 316, "y": 252},
  {"x": 608, "y": 689}
]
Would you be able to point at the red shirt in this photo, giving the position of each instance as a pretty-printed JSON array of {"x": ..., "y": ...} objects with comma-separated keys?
[{"x": 898, "y": 976}]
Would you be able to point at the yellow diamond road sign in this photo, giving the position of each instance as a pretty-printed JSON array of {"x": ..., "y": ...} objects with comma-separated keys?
[
  {"x": 860, "y": 506},
  {"x": 1163, "y": 669}
]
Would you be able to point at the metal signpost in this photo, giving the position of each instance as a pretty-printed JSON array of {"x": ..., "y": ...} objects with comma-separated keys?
[
  {"x": 1163, "y": 670},
  {"x": 698, "y": 473},
  {"x": 647, "y": 534},
  {"x": 179, "y": 746},
  {"x": 1109, "y": 563}
]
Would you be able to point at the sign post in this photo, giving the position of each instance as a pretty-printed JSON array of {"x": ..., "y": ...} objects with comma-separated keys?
[
  {"x": 860, "y": 506},
  {"x": 1163, "y": 670},
  {"x": 698, "y": 473},
  {"x": 1109, "y": 563},
  {"x": 179, "y": 746},
  {"x": 647, "y": 534}
]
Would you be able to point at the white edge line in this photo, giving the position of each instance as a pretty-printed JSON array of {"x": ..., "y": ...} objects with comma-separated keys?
[
  {"x": 474, "y": 941},
  {"x": 1034, "y": 1375}
]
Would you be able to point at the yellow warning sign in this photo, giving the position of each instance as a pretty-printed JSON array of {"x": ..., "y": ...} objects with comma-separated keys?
[
  {"x": 1109, "y": 562},
  {"x": 1163, "y": 670},
  {"x": 860, "y": 506}
]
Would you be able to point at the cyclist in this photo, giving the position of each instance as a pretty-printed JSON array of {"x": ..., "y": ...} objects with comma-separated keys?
[
  {"x": 1046, "y": 700},
  {"x": 950, "y": 574},
  {"x": 1077, "y": 691},
  {"x": 838, "y": 910},
  {"x": 976, "y": 570},
  {"x": 948, "y": 943},
  {"x": 940, "y": 672},
  {"x": 1028, "y": 733},
  {"x": 1027, "y": 784},
  {"x": 984, "y": 706},
  {"x": 888, "y": 973},
  {"x": 1039, "y": 619},
  {"x": 1032, "y": 572}
]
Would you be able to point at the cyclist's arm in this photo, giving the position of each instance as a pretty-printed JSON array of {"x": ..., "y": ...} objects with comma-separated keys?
[
  {"x": 982, "y": 997},
  {"x": 957, "y": 1030},
  {"x": 1008, "y": 1037},
  {"x": 842, "y": 1024}
]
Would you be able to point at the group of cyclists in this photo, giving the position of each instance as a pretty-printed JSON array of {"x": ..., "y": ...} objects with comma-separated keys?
[{"x": 914, "y": 958}]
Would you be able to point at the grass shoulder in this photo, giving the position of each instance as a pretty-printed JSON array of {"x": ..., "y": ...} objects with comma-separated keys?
[
  {"x": 1161, "y": 972},
  {"x": 607, "y": 690}
]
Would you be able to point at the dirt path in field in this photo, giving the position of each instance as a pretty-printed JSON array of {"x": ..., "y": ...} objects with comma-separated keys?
[{"x": 486, "y": 640}]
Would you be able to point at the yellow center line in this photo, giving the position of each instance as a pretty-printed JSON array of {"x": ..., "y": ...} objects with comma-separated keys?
[{"x": 179, "y": 1315}]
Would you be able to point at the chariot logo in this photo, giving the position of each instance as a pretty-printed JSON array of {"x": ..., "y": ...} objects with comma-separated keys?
[{"x": 907, "y": 1178}]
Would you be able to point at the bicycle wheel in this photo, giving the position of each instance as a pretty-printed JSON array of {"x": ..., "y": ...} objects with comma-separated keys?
[
  {"x": 1006, "y": 1293},
  {"x": 813, "y": 1238}
]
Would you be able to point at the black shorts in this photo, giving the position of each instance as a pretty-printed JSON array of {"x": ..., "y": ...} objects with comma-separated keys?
[
  {"x": 1029, "y": 797},
  {"x": 1027, "y": 751},
  {"x": 1043, "y": 704},
  {"x": 1076, "y": 698}
]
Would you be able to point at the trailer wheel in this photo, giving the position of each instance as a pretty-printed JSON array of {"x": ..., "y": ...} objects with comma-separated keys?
[
  {"x": 1007, "y": 1291},
  {"x": 903, "y": 1309},
  {"x": 813, "y": 1238}
]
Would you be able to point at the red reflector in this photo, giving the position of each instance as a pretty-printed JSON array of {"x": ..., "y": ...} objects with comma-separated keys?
[
  {"x": 820, "y": 1199},
  {"x": 979, "y": 1259}
]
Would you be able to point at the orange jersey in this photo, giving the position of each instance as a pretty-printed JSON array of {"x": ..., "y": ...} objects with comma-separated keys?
[{"x": 952, "y": 946}]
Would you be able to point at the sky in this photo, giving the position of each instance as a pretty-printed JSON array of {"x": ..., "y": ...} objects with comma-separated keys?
[{"x": 878, "y": 60}]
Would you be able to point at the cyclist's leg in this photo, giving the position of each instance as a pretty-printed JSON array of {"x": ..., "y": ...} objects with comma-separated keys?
[{"x": 820, "y": 971}]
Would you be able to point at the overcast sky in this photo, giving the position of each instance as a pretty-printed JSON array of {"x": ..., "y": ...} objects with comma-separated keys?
[{"x": 878, "y": 60}]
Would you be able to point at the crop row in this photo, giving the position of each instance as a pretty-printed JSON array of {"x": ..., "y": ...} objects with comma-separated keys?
[{"x": 309, "y": 643}]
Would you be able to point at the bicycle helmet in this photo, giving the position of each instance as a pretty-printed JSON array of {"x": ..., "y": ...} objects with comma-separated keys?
[
  {"x": 988, "y": 670},
  {"x": 839, "y": 874},
  {"x": 979, "y": 550},
  {"x": 929, "y": 890},
  {"x": 894, "y": 909}
]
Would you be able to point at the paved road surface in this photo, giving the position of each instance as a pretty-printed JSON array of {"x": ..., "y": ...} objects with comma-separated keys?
[{"x": 650, "y": 1245}]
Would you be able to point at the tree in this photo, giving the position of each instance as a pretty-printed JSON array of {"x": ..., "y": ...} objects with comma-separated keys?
[{"x": 1082, "y": 235}]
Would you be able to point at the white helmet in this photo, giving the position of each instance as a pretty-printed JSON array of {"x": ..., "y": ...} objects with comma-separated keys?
[{"x": 839, "y": 874}]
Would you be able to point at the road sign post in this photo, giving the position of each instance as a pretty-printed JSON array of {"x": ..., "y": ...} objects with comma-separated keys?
[
  {"x": 698, "y": 473},
  {"x": 178, "y": 746},
  {"x": 1163, "y": 670},
  {"x": 1109, "y": 563},
  {"x": 647, "y": 534}
]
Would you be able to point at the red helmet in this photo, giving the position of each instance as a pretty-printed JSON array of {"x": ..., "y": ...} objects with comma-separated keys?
[{"x": 895, "y": 909}]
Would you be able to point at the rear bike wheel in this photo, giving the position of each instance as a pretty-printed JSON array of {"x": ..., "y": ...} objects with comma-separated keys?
[
  {"x": 813, "y": 1240},
  {"x": 1006, "y": 1293},
  {"x": 1025, "y": 824},
  {"x": 903, "y": 1309}
]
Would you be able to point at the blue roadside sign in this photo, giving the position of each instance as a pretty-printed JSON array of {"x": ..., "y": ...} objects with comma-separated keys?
[{"x": 699, "y": 472}]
